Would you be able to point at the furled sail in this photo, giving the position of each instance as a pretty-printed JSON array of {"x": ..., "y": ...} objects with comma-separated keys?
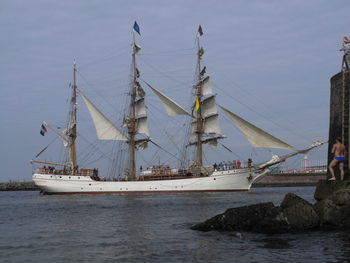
[
  {"x": 170, "y": 106},
  {"x": 256, "y": 136},
  {"x": 105, "y": 129}
]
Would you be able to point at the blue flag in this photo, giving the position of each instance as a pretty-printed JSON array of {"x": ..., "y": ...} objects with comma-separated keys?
[{"x": 137, "y": 28}]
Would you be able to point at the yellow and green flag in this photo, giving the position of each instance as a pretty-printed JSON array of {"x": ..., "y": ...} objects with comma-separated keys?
[{"x": 197, "y": 106}]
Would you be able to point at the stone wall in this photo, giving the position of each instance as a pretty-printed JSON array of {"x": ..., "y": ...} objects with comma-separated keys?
[{"x": 336, "y": 116}]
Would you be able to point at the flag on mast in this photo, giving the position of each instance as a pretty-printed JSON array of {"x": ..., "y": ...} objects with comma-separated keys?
[
  {"x": 200, "y": 30},
  {"x": 137, "y": 28},
  {"x": 197, "y": 106},
  {"x": 43, "y": 129}
]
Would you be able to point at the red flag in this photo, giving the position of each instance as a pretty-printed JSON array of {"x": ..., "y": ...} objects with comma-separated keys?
[{"x": 200, "y": 30}]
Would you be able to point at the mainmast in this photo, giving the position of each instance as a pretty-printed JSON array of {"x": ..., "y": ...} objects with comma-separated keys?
[
  {"x": 72, "y": 126},
  {"x": 205, "y": 127}
]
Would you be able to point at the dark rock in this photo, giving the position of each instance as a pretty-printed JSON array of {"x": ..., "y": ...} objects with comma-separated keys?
[
  {"x": 328, "y": 212},
  {"x": 299, "y": 213},
  {"x": 325, "y": 188},
  {"x": 332, "y": 211},
  {"x": 291, "y": 200},
  {"x": 341, "y": 197},
  {"x": 262, "y": 218},
  {"x": 335, "y": 210}
]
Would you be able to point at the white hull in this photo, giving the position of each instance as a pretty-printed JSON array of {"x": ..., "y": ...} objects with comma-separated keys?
[{"x": 231, "y": 180}]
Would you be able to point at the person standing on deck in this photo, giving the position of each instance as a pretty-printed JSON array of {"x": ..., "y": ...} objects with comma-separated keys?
[{"x": 339, "y": 157}]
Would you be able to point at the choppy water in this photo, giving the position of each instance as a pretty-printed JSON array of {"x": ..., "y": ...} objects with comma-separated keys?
[{"x": 150, "y": 228}]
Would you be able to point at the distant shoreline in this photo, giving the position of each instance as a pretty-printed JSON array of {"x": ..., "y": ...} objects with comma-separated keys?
[{"x": 280, "y": 180}]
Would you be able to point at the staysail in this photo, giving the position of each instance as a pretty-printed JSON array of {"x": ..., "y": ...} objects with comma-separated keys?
[
  {"x": 256, "y": 136},
  {"x": 105, "y": 129},
  {"x": 171, "y": 107}
]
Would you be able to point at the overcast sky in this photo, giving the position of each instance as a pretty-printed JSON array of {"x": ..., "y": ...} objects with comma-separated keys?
[{"x": 270, "y": 62}]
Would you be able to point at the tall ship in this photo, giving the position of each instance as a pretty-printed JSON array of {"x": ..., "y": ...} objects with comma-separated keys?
[{"x": 69, "y": 178}]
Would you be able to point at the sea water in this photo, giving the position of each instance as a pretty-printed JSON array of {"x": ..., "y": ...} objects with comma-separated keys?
[{"x": 151, "y": 228}]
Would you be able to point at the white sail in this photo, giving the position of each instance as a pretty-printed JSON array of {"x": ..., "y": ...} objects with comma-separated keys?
[
  {"x": 208, "y": 107},
  {"x": 105, "y": 129},
  {"x": 140, "y": 107},
  {"x": 211, "y": 126},
  {"x": 256, "y": 136},
  {"x": 206, "y": 87},
  {"x": 142, "y": 126},
  {"x": 170, "y": 106}
]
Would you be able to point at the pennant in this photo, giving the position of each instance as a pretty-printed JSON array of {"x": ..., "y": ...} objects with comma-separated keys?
[
  {"x": 200, "y": 30},
  {"x": 43, "y": 129},
  {"x": 197, "y": 107},
  {"x": 137, "y": 28}
]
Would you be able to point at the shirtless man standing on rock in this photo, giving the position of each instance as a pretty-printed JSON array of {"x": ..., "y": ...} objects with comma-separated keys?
[{"x": 339, "y": 157}]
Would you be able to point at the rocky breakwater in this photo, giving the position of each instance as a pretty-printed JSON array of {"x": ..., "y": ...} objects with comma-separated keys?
[
  {"x": 331, "y": 211},
  {"x": 18, "y": 186}
]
